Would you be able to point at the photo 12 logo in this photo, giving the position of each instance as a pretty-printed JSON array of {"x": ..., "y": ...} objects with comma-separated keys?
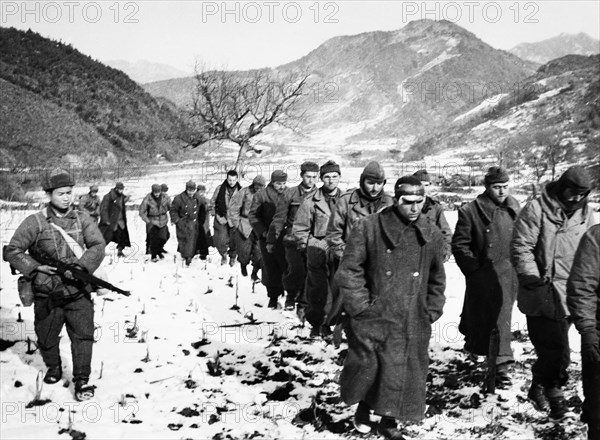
[
  {"x": 489, "y": 12},
  {"x": 69, "y": 12},
  {"x": 270, "y": 12}
]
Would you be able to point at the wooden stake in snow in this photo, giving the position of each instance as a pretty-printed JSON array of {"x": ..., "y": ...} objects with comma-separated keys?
[
  {"x": 39, "y": 385},
  {"x": 29, "y": 350},
  {"x": 101, "y": 370},
  {"x": 147, "y": 358},
  {"x": 235, "y": 306},
  {"x": 19, "y": 319},
  {"x": 143, "y": 312},
  {"x": 133, "y": 330}
]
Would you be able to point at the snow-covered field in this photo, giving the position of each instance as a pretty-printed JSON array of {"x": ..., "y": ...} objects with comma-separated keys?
[{"x": 175, "y": 360}]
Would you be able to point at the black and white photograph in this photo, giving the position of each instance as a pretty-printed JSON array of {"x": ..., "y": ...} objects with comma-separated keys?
[{"x": 311, "y": 220}]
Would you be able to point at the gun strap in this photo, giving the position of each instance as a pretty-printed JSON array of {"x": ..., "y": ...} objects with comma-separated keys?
[{"x": 73, "y": 245}]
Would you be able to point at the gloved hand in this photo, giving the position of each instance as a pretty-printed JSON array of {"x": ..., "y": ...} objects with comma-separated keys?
[
  {"x": 531, "y": 281},
  {"x": 590, "y": 346}
]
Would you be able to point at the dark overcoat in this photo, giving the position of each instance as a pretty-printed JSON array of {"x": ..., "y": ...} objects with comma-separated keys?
[
  {"x": 112, "y": 204},
  {"x": 392, "y": 282},
  {"x": 260, "y": 216},
  {"x": 184, "y": 213},
  {"x": 481, "y": 247}
]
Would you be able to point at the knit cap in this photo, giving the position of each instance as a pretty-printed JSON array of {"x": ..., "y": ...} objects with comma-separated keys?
[
  {"x": 496, "y": 175},
  {"x": 373, "y": 171}
]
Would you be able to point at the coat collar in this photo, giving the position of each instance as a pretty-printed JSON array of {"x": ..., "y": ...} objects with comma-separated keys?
[
  {"x": 49, "y": 213},
  {"x": 486, "y": 206},
  {"x": 393, "y": 227},
  {"x": 320, "y": 200}
]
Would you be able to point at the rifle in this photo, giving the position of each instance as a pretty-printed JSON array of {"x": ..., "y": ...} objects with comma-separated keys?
[
  {"x": 81, "y": 275},
  {"x": 494, "y": 348}
]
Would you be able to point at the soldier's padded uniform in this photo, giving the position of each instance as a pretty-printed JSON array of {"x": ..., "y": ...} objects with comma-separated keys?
[
  {"x": 309, "y": 231},
  {"x": 58, "y": 301},
  {"x": 281, "y": 226}
]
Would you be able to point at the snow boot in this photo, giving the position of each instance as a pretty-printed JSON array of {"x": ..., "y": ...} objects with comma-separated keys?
[
  {"x": 254, "y": 277},
  {"x": 244, "y": 270},
  {"x": 83, "y": 391},
  {"x": 273, "y": 304},
  {"x": 53, "y": 375},
  {"x": 361, "y": 420},
  {"x": 537, "y": 397},
  {"x": 559, "y": 410},
  {"x": 388, "y": 427}
]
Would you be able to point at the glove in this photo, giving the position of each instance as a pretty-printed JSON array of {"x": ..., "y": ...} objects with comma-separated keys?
[{"x": 590, "y": 346}]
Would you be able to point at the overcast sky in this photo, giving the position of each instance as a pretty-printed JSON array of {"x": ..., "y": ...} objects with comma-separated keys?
[{"x": 243, "y": 35}]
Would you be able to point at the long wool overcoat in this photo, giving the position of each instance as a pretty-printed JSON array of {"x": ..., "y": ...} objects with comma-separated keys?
[
  {"x": 481, "y": 247},
  {"x": 392, "y": 281},
  {"x": 184, "y": 213}
]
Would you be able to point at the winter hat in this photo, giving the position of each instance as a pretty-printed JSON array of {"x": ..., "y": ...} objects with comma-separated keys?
[
  {"x": 422, "y": 175},
  {"x": 408, "y": 186},
  {"x": 329, "y": 167},
  {"x": 94, "y": 188},
  {"x": 120, "y": 185},
  {"x": 57, "y": 178},
  {"x": 576, "y": 178},
  {"x": 496, "y": 175},
  {"x": 278, "y": 176},
  {"x": 309, "y": 166},
  {"x": 164, "y": 187},
  {"x": 201, "y": 187},
  {"x": 259, "y": 180},
  {"x": 155, "y": 188},
  {"x": 190, "y": 185},
  {"x": 373, "y": 171}
]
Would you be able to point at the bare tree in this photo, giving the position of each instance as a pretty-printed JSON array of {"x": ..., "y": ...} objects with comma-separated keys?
[{"x": 238, "y": 106}]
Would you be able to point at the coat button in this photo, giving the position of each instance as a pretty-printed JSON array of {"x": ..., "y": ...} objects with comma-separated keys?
[
  {"x": 487, "y": 230},
  {"x": 389, "y": 251},
  {"x": 416, "y": 274},
  {"x": 490, "y": 245},
  {"x": 388, "y": 273}
]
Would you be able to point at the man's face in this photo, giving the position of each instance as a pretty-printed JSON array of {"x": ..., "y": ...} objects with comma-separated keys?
[
  {"x": 258, "y": 186},
  {"x": 201, "y": 192},
  {"x": 372, "y": 187},
  {"x": 309, "y": 179},
  {"x": 156, "y": 193},
  {"x": 190, "y": 192},
  {"x": 410, "y": 206},
  {"x": 279, "y": 187},
  {"x": 497, "y": 191},
  {"x": 232, "y": 180},
  {"x": 572, "y": 196},
  {"x": 61, "y": 197},
  {"x": 94, "y": 193},
  {"x": 330, "y": 181},
  {"x": 119, "y": 191}
]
